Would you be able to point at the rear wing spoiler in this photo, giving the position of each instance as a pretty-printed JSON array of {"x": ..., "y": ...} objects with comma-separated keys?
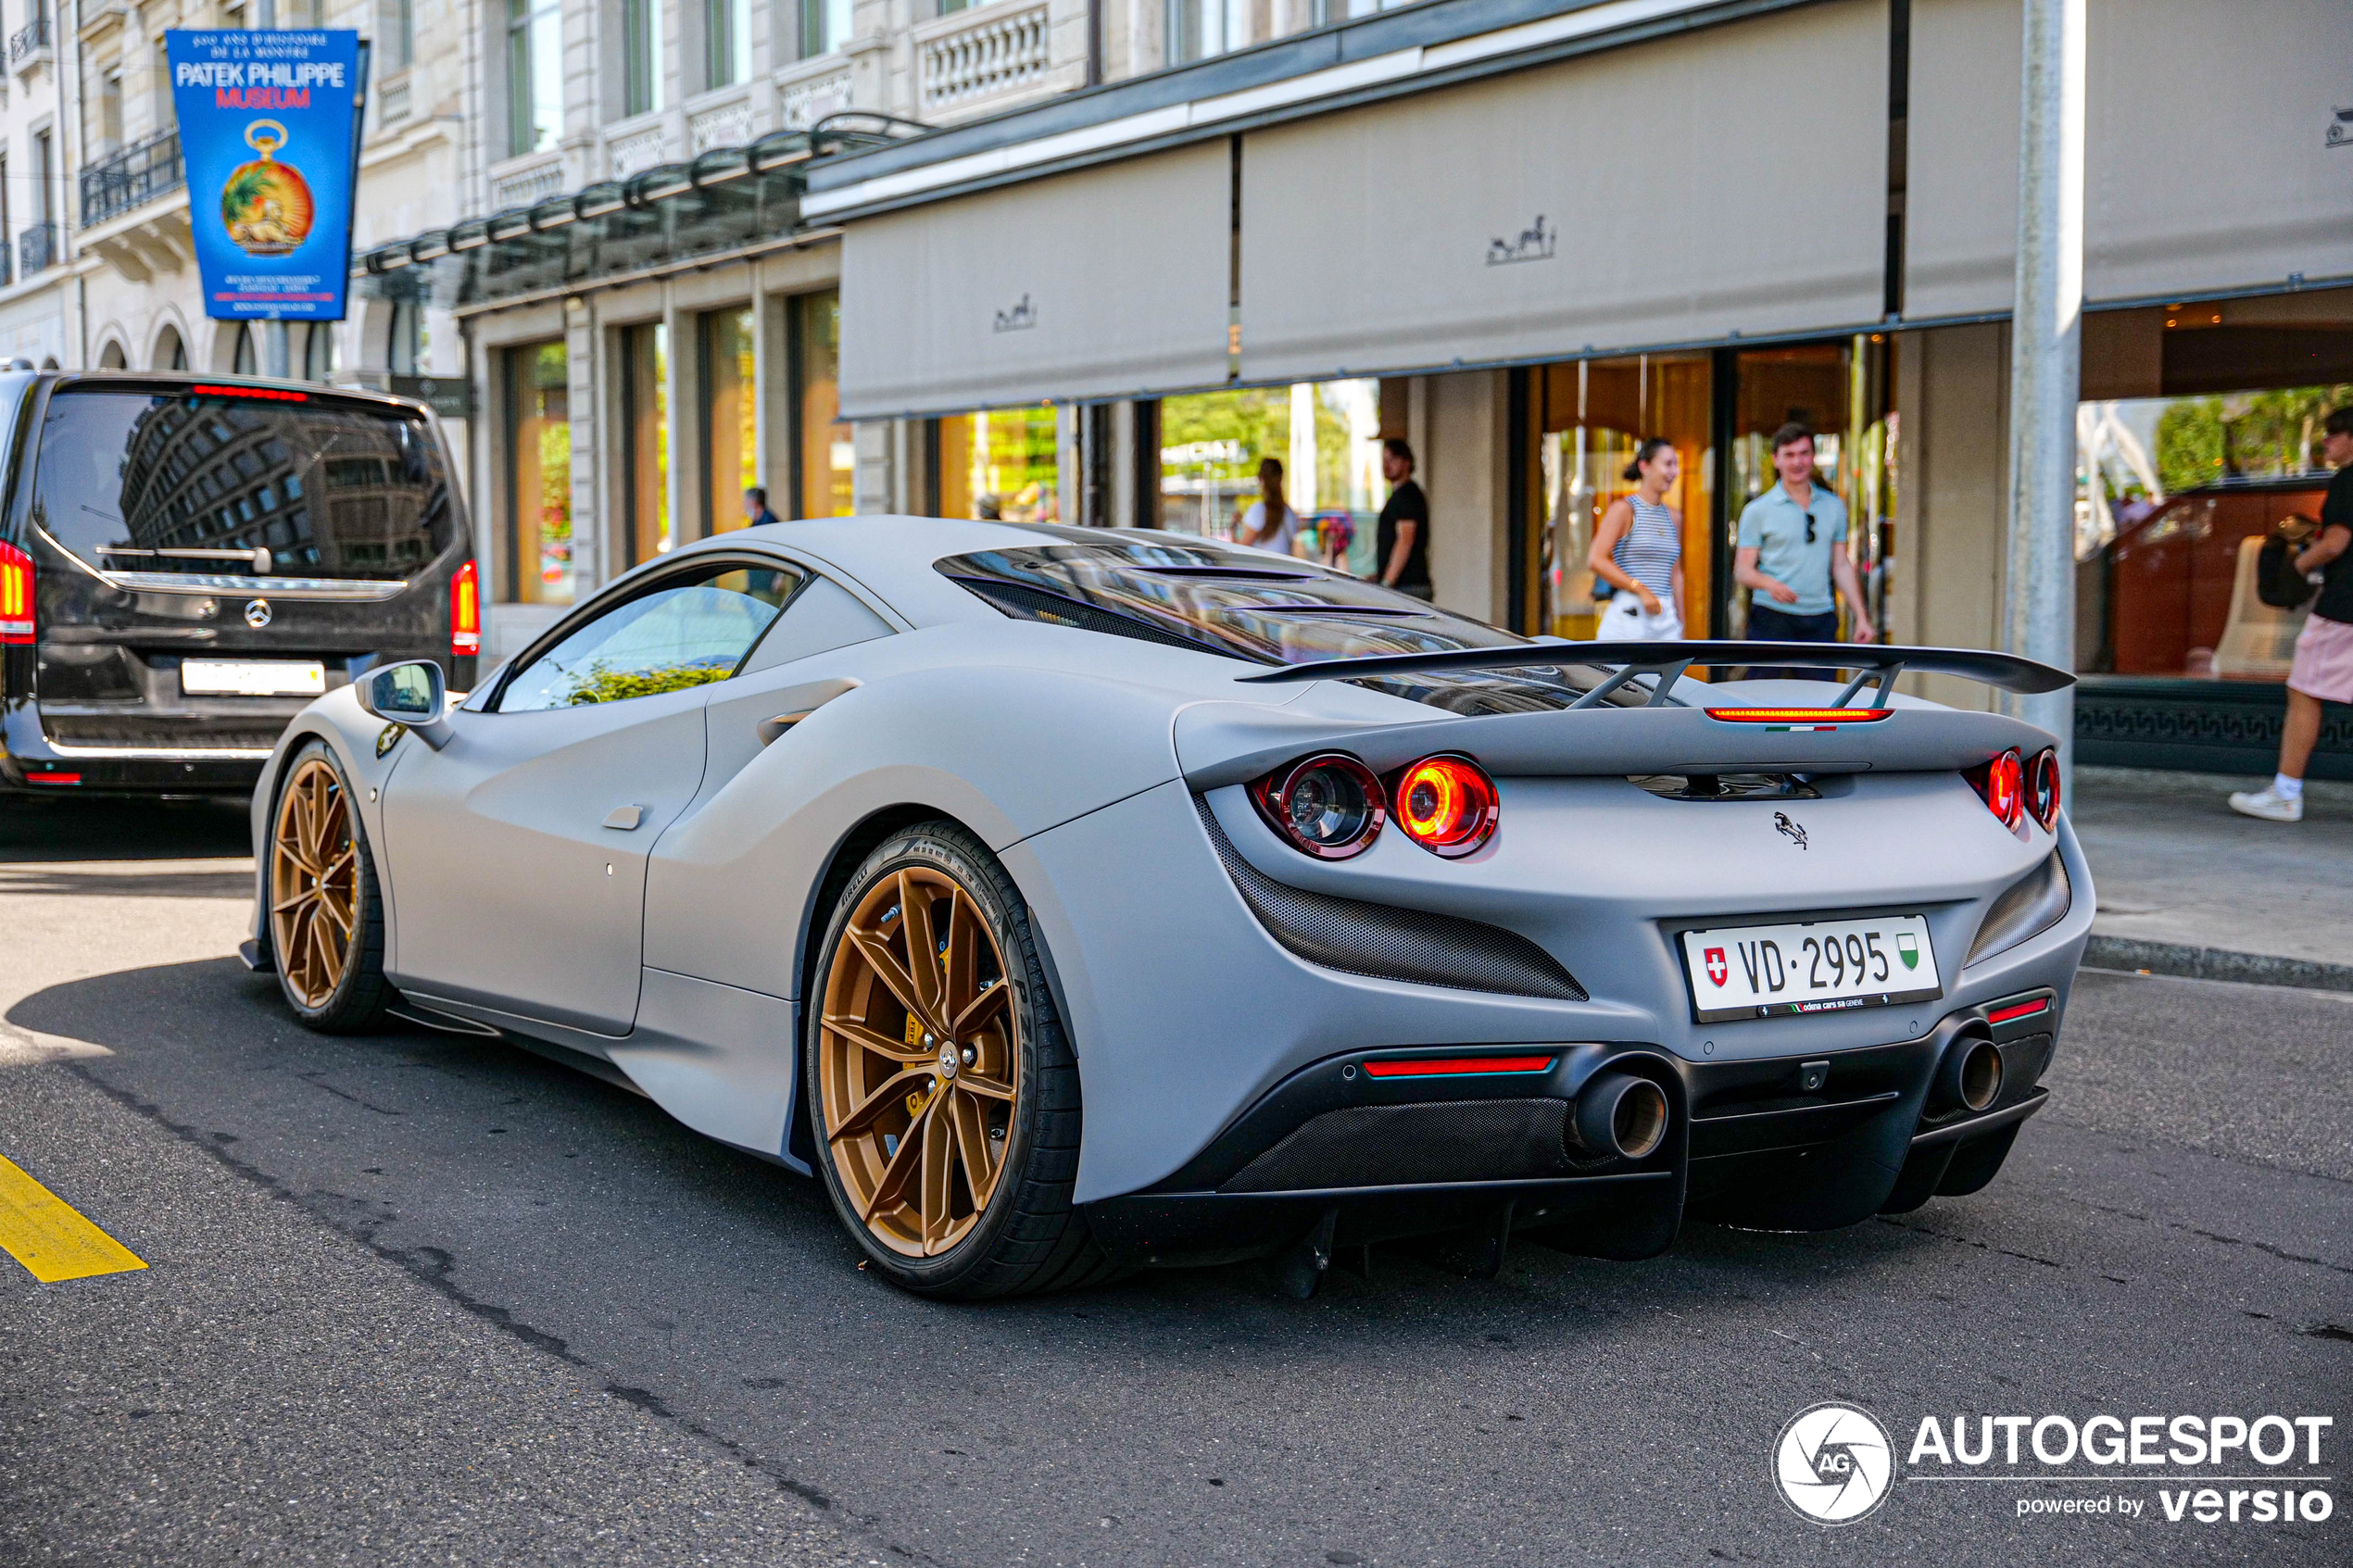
[
  {"x": 1874, "y": 664},
  {"x": 1226, "y": 743}
]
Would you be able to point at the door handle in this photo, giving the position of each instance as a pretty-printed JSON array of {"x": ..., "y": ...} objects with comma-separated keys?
[{"x": 625, "y": 818}]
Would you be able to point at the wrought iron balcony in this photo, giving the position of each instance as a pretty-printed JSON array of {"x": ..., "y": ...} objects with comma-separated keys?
[
  {"x": 33, "y": 35},
  {"x": 131, "y": 178},
  {"x": 37, "y": 247}
]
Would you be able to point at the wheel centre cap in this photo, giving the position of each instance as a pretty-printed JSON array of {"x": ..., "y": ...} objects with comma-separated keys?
[{"x": 949, "y": 1059}]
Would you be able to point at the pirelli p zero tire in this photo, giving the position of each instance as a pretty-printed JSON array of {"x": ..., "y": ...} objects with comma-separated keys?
[
  {"x": 942, "y": 1090},
  {"x": 326, "y": 917}
]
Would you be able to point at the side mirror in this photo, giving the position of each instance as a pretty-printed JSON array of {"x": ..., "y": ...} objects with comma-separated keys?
[{"x": 410, "y": 695}]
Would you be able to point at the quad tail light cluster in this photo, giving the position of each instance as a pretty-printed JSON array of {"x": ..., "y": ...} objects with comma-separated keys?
[
  {"x": 2013, "y": 789},
  {"x": 1333, "y": 807}
]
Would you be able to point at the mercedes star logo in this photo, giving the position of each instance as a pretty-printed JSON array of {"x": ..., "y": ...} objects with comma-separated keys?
[{"x": 256, "y": 613}]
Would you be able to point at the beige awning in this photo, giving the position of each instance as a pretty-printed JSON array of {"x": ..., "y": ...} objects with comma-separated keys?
[
  {"x": 2208, "y": 165},
  {"x": 1107, "y": 283},
  {"x": 1731, "y": 180}
]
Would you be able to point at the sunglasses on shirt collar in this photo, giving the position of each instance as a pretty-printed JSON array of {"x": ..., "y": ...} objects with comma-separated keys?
[{"x": 1809, "y": 528}]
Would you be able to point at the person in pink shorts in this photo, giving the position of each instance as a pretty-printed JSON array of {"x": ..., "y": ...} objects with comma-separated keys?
[{"x": 2324, "y": 667}]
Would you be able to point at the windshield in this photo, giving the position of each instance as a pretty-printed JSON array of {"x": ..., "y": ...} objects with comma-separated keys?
[
  {"x": 1265, "y": 610},
  {"x": 138, "y": 483}
]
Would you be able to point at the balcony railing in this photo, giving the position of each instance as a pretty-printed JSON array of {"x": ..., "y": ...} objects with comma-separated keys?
[
  {"x": 37, "y": 248},
  {"x": 134, "y": 177},
  {"x": 33, "y": 35},
  {"x": 986, "y": 52}
]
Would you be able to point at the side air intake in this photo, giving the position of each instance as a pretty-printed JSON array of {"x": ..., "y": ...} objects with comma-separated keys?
[{"x": 1386, "y": 942}]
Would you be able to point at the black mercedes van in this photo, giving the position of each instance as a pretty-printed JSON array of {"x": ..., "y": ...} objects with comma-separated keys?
[{"x": 187, "y": 560}]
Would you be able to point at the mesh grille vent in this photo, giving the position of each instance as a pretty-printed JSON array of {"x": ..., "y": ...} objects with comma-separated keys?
[{"x": 1386, "y": 942}]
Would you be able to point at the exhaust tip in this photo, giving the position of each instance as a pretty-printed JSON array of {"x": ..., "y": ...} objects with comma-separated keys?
[
  {"x": 1620, "y": 1115},
  {"x": 1969, "y": 1078}
]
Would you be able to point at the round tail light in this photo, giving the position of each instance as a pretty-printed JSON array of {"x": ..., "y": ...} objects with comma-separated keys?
[
  {"x": 1447, "y": 805},
  {"x": 2043, "y": 788},
  {"x": 1330, "y": 806},
  {"x": 2004, "y": 788}
]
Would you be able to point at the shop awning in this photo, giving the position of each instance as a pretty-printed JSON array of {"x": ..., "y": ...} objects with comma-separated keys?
[
  {"x": 1728, "y": 181},
  {"x": 2214, "y": 157},
  {"x": 1106, "y": 282}
]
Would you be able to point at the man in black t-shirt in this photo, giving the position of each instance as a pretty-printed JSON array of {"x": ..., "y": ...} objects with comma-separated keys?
[
  {"x": 1403, "y": 534},
  {"x": 2323, "y": 668}
]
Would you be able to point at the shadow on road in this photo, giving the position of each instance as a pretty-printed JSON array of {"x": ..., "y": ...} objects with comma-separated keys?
[{"x": 100, "y": 829}]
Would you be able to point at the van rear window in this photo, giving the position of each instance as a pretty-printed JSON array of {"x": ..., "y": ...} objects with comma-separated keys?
[{"x": 137, "y": 483}]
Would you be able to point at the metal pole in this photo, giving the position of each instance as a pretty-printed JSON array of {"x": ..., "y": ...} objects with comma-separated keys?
[
  {"x": 276, "y": 352},
  {"x": 2045, "y": 359}
]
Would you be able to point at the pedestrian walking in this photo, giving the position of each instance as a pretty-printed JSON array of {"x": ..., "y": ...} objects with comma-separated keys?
[
  {"x": 2323, "y": 668},
  {"x": 755, "y": 506},
  {"x": 1402, "y": 537},
  {"x": 1790, "y": 553},
  {"x": 1638, "y": 550},
  {"x": 1271, "y": 523}
]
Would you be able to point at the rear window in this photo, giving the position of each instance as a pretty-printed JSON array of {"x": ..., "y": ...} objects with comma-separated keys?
[
  {"x": 1267, "y": 610},
  {"x": 143, "y": 483}
]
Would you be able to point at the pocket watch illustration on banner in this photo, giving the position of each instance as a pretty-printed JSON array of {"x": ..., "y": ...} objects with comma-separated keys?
[{"x": 266, "y": 205}]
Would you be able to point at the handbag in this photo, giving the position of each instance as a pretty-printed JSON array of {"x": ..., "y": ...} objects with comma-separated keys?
[{"x": 2277, "y": 583}]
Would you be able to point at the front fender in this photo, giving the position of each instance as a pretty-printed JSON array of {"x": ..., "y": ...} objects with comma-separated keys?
[{"x": 353, "y": 735}]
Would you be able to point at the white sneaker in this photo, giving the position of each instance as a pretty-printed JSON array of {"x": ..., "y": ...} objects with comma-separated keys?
[{"x": 2267, "y": 805}]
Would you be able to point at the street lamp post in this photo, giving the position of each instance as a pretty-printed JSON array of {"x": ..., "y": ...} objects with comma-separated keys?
[{"x": 2045, "y": 359}]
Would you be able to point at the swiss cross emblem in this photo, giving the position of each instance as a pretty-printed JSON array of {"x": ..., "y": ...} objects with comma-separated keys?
[{"x": 1718, "y": 971}]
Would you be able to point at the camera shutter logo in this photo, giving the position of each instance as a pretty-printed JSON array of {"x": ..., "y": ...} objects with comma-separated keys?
[{"x": 1834, "y": 1463}]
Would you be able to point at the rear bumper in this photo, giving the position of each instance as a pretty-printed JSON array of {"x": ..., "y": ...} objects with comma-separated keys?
[
  {"x": 1749, "y": 1144},
  {"x": 32, "y": 763}
]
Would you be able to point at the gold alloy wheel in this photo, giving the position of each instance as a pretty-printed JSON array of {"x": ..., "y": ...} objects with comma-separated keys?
[
  {"x": 314, "y": 884},
  {"x": 918, "y": 1068}
]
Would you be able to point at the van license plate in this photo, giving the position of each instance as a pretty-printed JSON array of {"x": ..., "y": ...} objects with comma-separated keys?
[
  {"x": 1809, "y": 966},
  {"x": 252, "y": 677}
]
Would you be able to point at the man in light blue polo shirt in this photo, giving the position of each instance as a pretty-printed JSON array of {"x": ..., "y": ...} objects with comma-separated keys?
[{"x": 1791, "y": 551}]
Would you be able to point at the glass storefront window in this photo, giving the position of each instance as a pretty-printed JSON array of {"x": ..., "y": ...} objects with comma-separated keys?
[
  {"x": 1595, "y": 414},
  {"x": 1843, "y": 391},
  {"x": 646, "y": 410},
  {"x": 730, "y": 438},
  {"x": 1000, "y": 464},
  {"x": 2174, "y": 497},
  {"x": 539, "y": 472},
  {"x": 1326, "y": 433},
  {"x": 828, "y": 454}
]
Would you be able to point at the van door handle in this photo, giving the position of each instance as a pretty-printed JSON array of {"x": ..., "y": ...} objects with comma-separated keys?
[{"x": 625, "y": 818}]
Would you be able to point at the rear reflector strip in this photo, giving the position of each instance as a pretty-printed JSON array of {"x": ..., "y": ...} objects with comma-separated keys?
[
  {"x": 53, "y": 778},
  {"x": 2018, "y": 1009},
  {"x": 1799, "y": 717},
  {"x": 1457, "y": 1066}
]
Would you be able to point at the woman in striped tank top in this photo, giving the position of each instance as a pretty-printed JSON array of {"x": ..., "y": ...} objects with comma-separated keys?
[{"x": 1638, "y": 550}]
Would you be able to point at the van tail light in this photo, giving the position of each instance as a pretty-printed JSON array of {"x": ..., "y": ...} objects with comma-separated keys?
[
  {"x": 16, "y": 597},
  {"x": 1329, "y": 806},
  {"x": 1447, "y": 805},
  {"x": 2043, "y": 788},
  {"x": 465, "y": 613},
  {"x": 2001, "y": 783}
]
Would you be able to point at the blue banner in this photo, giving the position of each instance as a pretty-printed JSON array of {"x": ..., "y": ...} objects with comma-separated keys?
[{"x": 268, "y": 131}]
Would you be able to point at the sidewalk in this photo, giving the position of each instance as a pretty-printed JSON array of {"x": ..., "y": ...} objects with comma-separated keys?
[{"x": 2188, "y": 887}]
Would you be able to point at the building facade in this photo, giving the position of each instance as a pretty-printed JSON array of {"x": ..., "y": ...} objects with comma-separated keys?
[{"x": 1091, "y": 260}]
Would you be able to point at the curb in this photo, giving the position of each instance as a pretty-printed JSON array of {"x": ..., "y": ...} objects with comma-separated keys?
[{"x": 2215, "y": 963}]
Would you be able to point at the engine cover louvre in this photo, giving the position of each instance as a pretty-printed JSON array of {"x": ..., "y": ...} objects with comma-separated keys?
[{"x": 1387, "y": 942}]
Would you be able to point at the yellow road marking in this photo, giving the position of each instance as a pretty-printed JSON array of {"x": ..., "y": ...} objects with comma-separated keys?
[{"x": 43, "y": 1231}]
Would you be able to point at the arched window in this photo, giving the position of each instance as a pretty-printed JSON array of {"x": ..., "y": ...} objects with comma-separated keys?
[
  {"x": 171, "y": 353},
  {"x": 247, "y": 363},
  {"x": 111, "y": 356}
]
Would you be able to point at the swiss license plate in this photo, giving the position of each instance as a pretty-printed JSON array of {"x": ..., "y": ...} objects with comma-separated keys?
[
  {"x": 1809, "y": 966},
  {"x": 252, "y": 677}
]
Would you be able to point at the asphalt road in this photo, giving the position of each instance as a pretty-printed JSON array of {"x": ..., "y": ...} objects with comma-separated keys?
[{"x": 415, "y": 1297}]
